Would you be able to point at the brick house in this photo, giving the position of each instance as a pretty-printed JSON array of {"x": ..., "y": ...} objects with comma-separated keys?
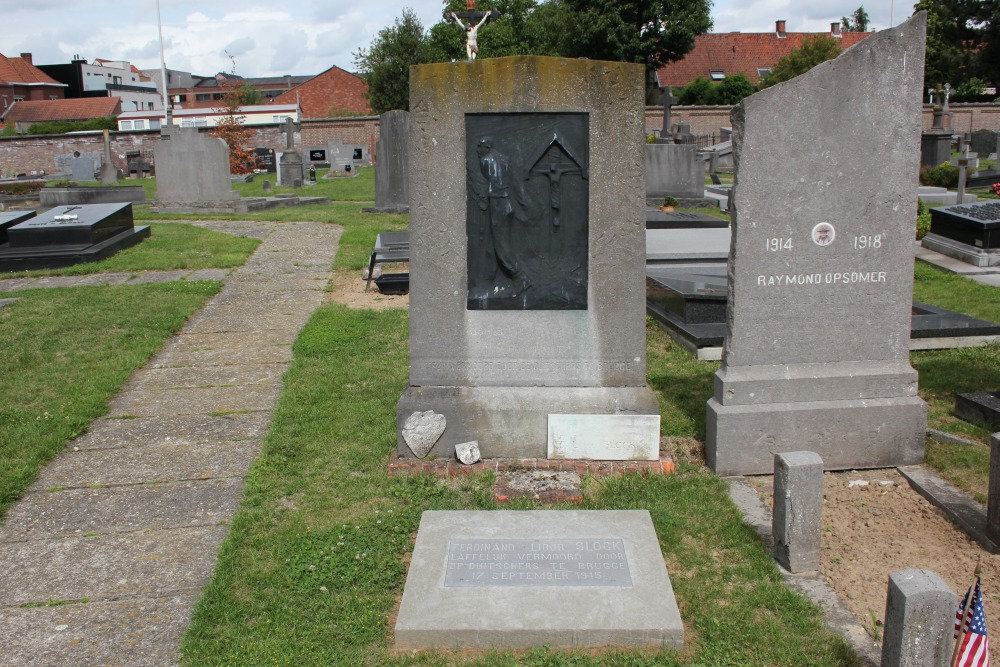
[
  {"x": 207, "y": 92},
  {"x": 329, "y": 94},
  {"x": 20, "y": 81},
  {"x": 718, "y": 55},
  {"x": 25, "y": 114}
]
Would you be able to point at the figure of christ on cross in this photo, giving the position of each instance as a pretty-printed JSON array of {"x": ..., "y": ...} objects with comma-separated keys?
[{"x": 471, "y": 34}]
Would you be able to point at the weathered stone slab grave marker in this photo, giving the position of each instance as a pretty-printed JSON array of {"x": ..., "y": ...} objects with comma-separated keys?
[
  {"x": 520, "y": 579},
  {"x": 392, "y": 164},
  {"x": 821, "y": 267}
]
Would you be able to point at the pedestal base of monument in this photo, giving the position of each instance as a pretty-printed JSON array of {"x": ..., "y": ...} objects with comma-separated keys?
[
  {"x": 853, "y": 414},
  {"x": 513, "y": 422},
  {"x": 981, "y": 257},
  {"x": 514, "y": 580}
]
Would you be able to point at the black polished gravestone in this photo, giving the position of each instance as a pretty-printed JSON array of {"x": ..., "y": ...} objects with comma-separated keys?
[
  {"x": 977, "y": 225},
  {"x": 264, "y": 160},
  {"x": 690, "y": 301},
  {"x": 8, "y": 220},
  {"x": 68, "y": 235},
  {"x": 656, "y": 219},
  {"x": 527, "y": 211},
  {"x": 980, "y": 408}
]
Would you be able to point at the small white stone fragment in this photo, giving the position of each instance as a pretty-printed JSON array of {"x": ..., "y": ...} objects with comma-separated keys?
[
  {"x": 857, "y": 482},
  {"x": 421, "y": 431},
  {"x": 468, "y": 452},
  {"x": 886, "y": 482}
]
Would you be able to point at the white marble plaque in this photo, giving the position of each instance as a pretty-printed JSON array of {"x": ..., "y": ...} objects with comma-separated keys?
[{"x": 604, "y": 437}]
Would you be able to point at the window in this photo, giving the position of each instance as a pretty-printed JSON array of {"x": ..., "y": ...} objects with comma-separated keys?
[
  {"x": 201, "y": 122},
  {"x": 140, "y": 125},
  {"x": 763, "y": 72},
  {"x": 182, "y": 98},
  {"x": 202, "y": 97},
  {"x": 717, "y": 74},
  {"x": 5, "y": 102},
  {"x": 149, "y": 105},
  {"x": 19, "y": 98},
  {"x": 125, "y": 124},
  {"x": 217, "y": 96},
  {"x": 279, "y": 119},
  {"x": 53, "y": 97},
  {"x": 154, "y": 124}
]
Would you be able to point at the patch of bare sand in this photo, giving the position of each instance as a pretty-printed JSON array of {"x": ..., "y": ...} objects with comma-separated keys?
[
  {"x": 872, "y": 530},
  {"x": 348, "y": 288}
]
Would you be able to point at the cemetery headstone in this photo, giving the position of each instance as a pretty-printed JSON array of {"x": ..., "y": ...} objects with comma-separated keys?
[
  {"x": 67, "y": 235},
  {"x": 82, "y": 168},
  {"x": 265, "y": 160},
  {"x": 392, "y": 166},
  {"x": 526, "y": 245},
  {"x": 674, "y": 170},
  {"x": 993, "y": 491},
  {"x": 511, "y": 580},
  {"x": 290, "y": 168},
  {"x": 817, "y": 346},
  {"x": 11, "y": 218},
  {"x": 191, "y": 168},
  {"x": 983, "y": 142},
  {"x": 797, "y": 520},
  {"x": 919, "y": 620},
  {"x": 935, "y": 143},
  {"x": 969, "y": 232},
  {"x": 109, "y": 174}
]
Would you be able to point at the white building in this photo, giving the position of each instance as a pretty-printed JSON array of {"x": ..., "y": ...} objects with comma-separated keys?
[
  {"x": 121, "y": 79},
  {"x": 260, "y": 114}
]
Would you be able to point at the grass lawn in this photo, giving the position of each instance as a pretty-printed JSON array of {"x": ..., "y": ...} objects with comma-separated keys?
[
  {"x": 171, "y": 246},
  {"x": 66, "y": 352}
]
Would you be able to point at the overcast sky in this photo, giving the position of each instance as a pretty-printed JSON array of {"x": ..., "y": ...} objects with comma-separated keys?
[{"x": 303, "y": 36}]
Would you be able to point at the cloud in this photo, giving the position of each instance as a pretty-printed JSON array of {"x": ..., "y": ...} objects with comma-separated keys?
[{"x": 238, "y": 47}]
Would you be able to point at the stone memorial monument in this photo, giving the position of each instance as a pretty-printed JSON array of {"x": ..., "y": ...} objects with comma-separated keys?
[
  {"x": 109, "y": 174},
  {"x": 290, "y": 168},
  {"x": 82, "y": 167},
  {"x": 821, "y": 267},
  {"x": 192, "y": 171},
  {"x": 392, "y": 164},
  {"x": 526, "y": 272}
]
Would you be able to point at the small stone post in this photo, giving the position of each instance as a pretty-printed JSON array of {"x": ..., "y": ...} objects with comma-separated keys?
[
  {"x": 797, "y": 523},
  {"x": 919, "y": 620},
  {"x": 993, "y": 493}
]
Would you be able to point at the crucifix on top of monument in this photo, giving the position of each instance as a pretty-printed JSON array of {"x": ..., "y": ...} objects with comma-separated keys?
[{"x": 472, "y": 15}]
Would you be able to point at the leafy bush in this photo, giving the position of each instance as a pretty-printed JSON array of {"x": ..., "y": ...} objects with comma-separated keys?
[
  {"x": 19, "y": 188},
  {"x": 943, "y": 176},
  {"x": 923, "y": 219},
  {"x": 64, "y": 126},
  {"x": 699, "y": 91}
]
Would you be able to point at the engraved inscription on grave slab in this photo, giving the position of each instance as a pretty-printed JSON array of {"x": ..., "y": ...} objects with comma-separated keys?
[
  {"x": 483, "y": 563},
  {"x": 527, "y": 210}
]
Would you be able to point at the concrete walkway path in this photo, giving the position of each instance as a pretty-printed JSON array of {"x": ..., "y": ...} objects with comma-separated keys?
[{"x": 102, "y": 560}]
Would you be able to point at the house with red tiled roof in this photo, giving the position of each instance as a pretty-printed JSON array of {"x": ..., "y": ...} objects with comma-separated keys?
[
  {"x": 718, "y": 55},
  {"x": 20, "y": 80},
  {"x": 329, "y": 94},
  {"x": 25, "y": 114}
]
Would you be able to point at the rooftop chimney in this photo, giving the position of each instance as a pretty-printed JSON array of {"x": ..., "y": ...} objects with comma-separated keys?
[
  {"x": 835, "y": 29},
  {"x": 26, "y": 57},
  {"x": 779, "y": 27}
]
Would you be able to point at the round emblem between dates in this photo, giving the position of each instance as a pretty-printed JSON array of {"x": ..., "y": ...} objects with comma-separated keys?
[{"x": 823, "y": 234}]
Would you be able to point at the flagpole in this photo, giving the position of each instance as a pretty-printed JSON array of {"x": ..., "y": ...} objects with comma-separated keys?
[
  {"x": 963, "y": 628},
  {"x": 163, "y": 67}
]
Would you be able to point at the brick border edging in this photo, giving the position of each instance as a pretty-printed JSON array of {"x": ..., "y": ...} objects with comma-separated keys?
[{"x": 453, "y": 468}]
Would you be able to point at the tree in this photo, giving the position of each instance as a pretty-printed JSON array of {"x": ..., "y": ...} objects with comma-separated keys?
[
  {"x": 385, "y": 65},
  {"x": 856, "y": 22},
  {"x": 651, "y": 32},
  {"x": 814, "y": 50},
  {"x": 961, "y": 41},
  {"x": 733, "y": 89},
  {"x": 700, "y": 91},
  {"x": 230, "y": 128}
]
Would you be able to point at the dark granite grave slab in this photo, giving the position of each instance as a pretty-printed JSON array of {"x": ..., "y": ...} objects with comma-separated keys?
[
  {"x": 977, "y": 225},
  {"x": 8, "y": 220},
  {"x": 69, "y": 235},
  {"x": 979, "y": 408},
  {"x": 656, "y": 219},
  {"x": 690, "y": 300}
]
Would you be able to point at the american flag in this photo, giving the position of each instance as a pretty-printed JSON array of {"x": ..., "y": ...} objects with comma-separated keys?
[{"x": 970, "y": 630}]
